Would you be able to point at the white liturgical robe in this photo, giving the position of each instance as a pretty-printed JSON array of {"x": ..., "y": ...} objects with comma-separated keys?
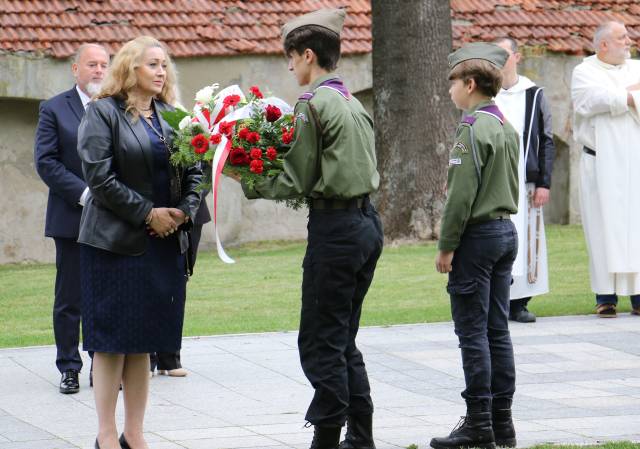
[
  {"x": 610, "y": 180},
  {"x": 530, "y": 271}
]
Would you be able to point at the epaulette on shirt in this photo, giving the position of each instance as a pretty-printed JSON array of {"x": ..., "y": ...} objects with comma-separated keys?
[
  {"x": 333, "y": 84},
  {"x": 491, "y": 110}
]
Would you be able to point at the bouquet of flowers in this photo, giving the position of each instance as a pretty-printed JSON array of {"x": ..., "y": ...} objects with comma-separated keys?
[
  {"x": 257, "y": 132},
  {"x": 247, "y": 136}
]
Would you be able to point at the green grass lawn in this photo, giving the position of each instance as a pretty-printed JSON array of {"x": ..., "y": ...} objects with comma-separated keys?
[{"x": 261, "y": 292}]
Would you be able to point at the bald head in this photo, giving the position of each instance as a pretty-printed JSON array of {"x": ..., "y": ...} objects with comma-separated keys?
[
  {"x": 89, "y": 67},
  {"x": 611, "y": 43},
  {"x": 81, "y": 49}
]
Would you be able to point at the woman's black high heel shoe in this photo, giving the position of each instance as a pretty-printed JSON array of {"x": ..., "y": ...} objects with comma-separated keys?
[{"x": 123, "y": 442}]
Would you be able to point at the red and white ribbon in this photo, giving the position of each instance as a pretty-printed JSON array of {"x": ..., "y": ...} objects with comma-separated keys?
[{"x": 224, "y": 147}]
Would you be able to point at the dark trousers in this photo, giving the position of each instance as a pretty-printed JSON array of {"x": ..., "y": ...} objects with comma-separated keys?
[
  {"x": 67, "y": 305},
  {"x": 613, "y": 299},
  {"x": 171, "y": 360},
  {"x": 342, "y": 251},
  {"x": 518, "y": 305},
  {"x": 479, "y": 289}
]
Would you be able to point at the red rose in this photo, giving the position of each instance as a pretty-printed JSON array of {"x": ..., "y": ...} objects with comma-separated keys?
[
  {"x": 200, "y": 143},
  {"x": 231, "y": 100},
  {"x": 226, "y": 128},
  {"x": 243, "y": 133},
  {"x": 238, "y": 156},
  {"x": 255, "y": 91},
  {"x": 287, "y": 137},
  {"x": 215, "y": 138},
  {"x": 255, "y": 153},
  {"x": 253, "y": 137},
  {"x": 273, "y": 113},
  {"x": 272, "y": 153},
  {"x": 256, "y": 166}
]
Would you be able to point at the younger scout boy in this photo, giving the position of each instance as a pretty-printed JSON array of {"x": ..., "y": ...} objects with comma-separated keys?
[
  {"x": 477, "y": 247},
  {"x": 331, "y": 162}
]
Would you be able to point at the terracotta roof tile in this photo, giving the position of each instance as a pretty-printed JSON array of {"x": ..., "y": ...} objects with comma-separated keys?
[{"x": 229, "y": 27}]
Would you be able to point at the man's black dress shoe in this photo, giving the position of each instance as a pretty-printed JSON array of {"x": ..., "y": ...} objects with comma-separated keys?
[
  {"x": 69, "y": 383},
  {"x": 123, "y": 442},
  {"x": 523, "y": 316}
]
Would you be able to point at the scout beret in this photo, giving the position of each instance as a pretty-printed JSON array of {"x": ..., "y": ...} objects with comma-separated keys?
[
  {"x": 331, "y": 19},
  {"x": 493, "y": 53}
]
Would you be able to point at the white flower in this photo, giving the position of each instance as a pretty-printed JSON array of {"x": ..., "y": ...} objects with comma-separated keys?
[
  {"x": 205, "y": 94},
  {"x": 185, "y": 122}
]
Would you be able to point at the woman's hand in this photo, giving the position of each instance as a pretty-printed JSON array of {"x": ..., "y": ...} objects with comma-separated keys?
[
  {"x": 162, "y": 222},
  {"x": 178, "y": 216}
]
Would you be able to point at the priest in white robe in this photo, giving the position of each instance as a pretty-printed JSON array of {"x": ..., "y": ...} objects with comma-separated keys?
[
  {"x": 605, "y": 90},
  {"x": 526, "y": 108}
]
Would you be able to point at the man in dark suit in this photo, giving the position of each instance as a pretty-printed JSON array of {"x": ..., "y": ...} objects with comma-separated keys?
[{"x": 58, "y": 164}]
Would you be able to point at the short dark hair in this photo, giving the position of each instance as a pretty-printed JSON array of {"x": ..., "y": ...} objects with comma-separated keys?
[
  {"x": 487, "y": 76},
  {"x": 322, "y": 41}
]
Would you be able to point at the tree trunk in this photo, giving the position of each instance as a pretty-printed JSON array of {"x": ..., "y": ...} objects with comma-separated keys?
[{"x": 414, "y": 118}]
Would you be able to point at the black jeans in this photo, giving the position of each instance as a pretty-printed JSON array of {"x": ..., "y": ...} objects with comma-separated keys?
[
  {"x": 479, "y": 288},
  {"x": 342, "y": 251}
]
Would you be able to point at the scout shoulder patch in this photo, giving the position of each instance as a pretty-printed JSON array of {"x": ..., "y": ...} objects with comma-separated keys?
[
  {"x": 302, "y": 116},
  {"x": 460, "y": 146},
  {"x": 455, "y": 161}
]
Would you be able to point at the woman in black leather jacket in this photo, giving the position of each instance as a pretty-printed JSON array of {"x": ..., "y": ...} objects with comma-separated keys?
[{"x": 134, "y": 234}]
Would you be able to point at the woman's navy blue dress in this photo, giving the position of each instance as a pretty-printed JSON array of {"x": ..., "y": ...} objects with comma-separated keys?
[{"x": 135, "y": 304}]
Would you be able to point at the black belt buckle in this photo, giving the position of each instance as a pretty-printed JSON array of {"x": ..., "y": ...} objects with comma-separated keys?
[{"x": 589, "y": 151}]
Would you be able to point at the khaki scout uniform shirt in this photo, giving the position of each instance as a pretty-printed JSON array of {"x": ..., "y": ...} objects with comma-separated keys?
[
  {"x": 332, "y": 154},
  {"x": 484, "y": 189}
]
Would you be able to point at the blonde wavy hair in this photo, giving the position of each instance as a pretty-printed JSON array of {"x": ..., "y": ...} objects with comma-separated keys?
[{"x": 122, "y": 79}]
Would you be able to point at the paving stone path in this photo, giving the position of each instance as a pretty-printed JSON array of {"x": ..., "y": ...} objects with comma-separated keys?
[{"x": 578, "y": 382}]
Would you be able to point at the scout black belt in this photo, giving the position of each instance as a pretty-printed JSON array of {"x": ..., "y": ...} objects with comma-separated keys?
[
  {"x": 589, "y": 151},
  {"x": 333, "y": 203}
]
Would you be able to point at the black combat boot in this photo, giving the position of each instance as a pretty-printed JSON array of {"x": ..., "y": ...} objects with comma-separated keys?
[
  {"x": 473, "y": 430},
  {"x": 325, "y": 437},
  {"x": 359, "y": 433},
  {"x": 502, "y": 423}
]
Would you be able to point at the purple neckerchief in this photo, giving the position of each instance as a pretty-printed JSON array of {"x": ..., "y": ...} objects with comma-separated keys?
[
  {"x": 491, "y": 109},
  {"x": 333, "y": 83}
]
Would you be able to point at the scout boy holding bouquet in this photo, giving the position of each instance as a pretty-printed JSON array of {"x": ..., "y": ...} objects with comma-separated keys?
[
  {"x": 331, "y": 163},
  {"x": 477, "y": 247}
]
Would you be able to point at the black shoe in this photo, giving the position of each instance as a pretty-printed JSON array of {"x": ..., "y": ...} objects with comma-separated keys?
[
  {"x": 502, "y": 423},
  {"x": 123, "y": 442},
  {"x": 523, "y": 316},
  {"x": 359, "y": 433},
  {"x": 473, "y": 430},
  {"x": 325, "y": 437},
  {"x": 69, "y": 383},
  {"x": 96, "y": 446}
]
